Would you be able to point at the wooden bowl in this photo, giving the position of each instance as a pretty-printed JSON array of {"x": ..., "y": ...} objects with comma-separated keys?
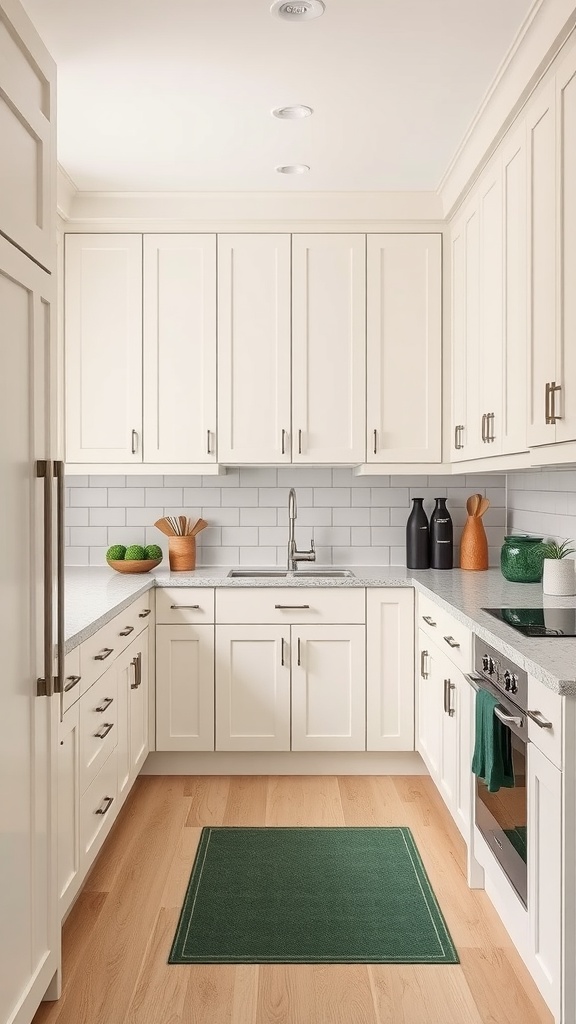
[{"x": 134, "y": 564}]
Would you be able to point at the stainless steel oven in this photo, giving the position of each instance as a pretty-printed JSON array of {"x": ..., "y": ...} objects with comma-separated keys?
[{"x": 502, "y": 817}]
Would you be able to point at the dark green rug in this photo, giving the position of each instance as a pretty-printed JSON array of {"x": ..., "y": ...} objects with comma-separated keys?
[{"x": 310, "y": 895}]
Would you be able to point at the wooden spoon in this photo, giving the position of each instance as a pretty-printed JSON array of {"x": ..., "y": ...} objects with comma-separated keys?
[
  {"x": 183, "y": 525},
  {"x": 473, "y": 503},
  {"x": 164, "y": 526},
  {"x": 199, "y": 525},
  {"x": 482, "y": 508}
]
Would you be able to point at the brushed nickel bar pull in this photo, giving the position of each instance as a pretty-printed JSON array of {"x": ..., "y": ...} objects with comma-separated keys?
[
  {"x": 108, "y": 801},
  {"x": 283, "y": 443},
  {"x": 554, "y": 387},
  {"x": 103, "y": 731},
  {"x": 429, "y": 620},
  {"x": 136, "y": 662},
  {"x": 105, "y": 653},
  {"x": 446, "y": 698},
  {"x": 451, "y": 642},
  {"x": 60, "y": 610},
  {"x": 176, "y": 606},
  {"x": 127, "y": 631},
  {"x": 45, "y": 683},
  {"x": 375, "y": 442},
  {"x": 71, "y": 682},
  {"x": 458, "y": 430},
  {"x": 451, "y": 688},
  {"x": 538, "y": 718},
  {"x": 547, "y": 404},
  {"x": 299, "y": 652},
  {"x": 105, "y": 704},
  {"x": 143, "y": 614},
  {"x": 484, "y": 432},
  {"x": 134, "y": 442},
  {"x": 282, "y": 651},
  {"x": 423, "y": 671},
  {"x": 208, "y": 449},
  {"x": 299, "y": 442},
  {"x": 290, "y": 607}
]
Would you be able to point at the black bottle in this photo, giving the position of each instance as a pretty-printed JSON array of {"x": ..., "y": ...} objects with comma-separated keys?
[
  {"x": 417, "y": 537},
  {"x": 441, "y": 537}
]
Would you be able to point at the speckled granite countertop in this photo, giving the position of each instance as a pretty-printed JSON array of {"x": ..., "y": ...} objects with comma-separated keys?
[{"x": 94, "y": 595}]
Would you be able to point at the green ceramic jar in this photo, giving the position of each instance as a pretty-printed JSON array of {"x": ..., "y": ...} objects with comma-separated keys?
[{"x": 521, "y": 558}]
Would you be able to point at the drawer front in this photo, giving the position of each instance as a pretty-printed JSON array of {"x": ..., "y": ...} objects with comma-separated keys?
[
  {"x": 545, "y": 720},
  {"x": 178, "y": 606},
  {"x": 298, "y": 605},
  {"x": 98, "y": 726},
  {"x": 451, "y": 636},
  {"x": 72, "y": 679},
  {"x": 98, "y": 810},
  {"x": 99, "y": 651}
]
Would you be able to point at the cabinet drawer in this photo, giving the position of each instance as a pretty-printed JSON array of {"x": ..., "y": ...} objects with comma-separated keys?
[
  {"x": 98, "y": 810},
  {"x": 72, "y": 679},
  {"x": 545, "y": 720},
  {"x": 99, "y": 651},
  {"x": 451, "y": 636},
  {"x": 98, "y": 726},
  {"x": 182, "y": 605},
  {"x": 298, "y": 605}
]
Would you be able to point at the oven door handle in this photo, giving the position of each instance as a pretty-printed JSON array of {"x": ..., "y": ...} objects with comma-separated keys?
[
  {"x": 474, "y": 679},
  {"x": 516, "y": 720}
]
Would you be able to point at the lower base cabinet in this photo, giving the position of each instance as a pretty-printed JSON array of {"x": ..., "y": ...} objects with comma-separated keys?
[
  {"x": 328, "y": 689},
  {"x": 69, "y": 866},
  {"x": 545, "y": 874},
  {"x": 389, "y": 669},
  {"x": 185, "y": 687},
  {"x": 252, "y": 687}
]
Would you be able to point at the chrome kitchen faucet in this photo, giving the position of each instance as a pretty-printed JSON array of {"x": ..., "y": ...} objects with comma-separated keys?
[{"x": 295, "y": 556}]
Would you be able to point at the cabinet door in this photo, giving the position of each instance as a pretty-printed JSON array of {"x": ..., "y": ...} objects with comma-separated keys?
[
  {"x": 328, "y": 688},
  {"x": 545, "y": 873},
  {"x": 28, "y": 133},
  {"x": 404, "y": 348},
  {"x": 390, "y": 669},
  {"x": 103, "y": 343},
  {"x": 254, "y": 348},
  {"x": 185, "y": 687},
  {"x": 515, "y": 321},
  {"x": 252, "y": 688},
  {"x": 139, "y": 706},
  {"x": 69, "y": 877},
  {"x": 180, "y": 348},
  {"x": 542, "y": 247},
  {"x": 565, "y": 400},
  {"x": 458, "y": 360},
  {"x": 430, "y": 705},
  {"x": 472, "y": 435},
  {"x": 329, "y": 348},
  {"x": 125, "y": 668},
  {"x": 490, "y": 353}
]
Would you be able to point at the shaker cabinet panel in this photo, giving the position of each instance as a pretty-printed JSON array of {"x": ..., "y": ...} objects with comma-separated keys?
[
  {"x": 252, "y": 688},
  {"x": 328, "y": 348},
  {"x": 103, "y": 348},
  {"x": 545, "y": 874},
  {"x": 389, "y": 669},
  {"x": 404, "y": 347},
  {"x": 254, "y": 423},
  {"x": 179, "y": 348},
  {"x": 185, "y": 687},
  {"x": 566, "y": 356},
  {"x": 328, "y": 688}
]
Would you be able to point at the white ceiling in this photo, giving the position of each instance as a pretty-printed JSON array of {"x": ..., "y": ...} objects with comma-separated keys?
[{"x": 175, "y": 95}]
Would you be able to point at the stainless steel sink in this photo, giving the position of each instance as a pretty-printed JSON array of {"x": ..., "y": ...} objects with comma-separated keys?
[{"x": 284, "y": 574}]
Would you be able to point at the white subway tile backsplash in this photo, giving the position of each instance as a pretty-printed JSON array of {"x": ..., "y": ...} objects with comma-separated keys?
[{"x": 352, "y": 519}]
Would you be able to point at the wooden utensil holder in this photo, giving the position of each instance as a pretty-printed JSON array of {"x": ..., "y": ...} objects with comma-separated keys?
[{"x": 182, "y": 554}]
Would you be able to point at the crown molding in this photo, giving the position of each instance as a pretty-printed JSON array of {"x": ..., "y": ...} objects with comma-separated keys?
[{"x": 66, "y": 192}]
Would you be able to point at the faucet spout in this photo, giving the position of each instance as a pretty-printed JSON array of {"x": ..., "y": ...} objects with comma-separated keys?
[
  {"x": 295, "y": 556},
  {"x": 292, "y": 506}
]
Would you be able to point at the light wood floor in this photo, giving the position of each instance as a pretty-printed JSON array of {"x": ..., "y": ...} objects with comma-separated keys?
[{"x": 117, "y": 938}]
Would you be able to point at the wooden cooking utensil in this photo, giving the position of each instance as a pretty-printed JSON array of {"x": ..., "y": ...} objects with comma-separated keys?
[
  {"x": 164, "y": 526},
  {"x": 182, "y": 521},
  {"x": 199, "y": 525}
]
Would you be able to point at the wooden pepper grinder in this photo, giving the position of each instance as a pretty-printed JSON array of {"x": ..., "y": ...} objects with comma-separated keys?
[{"x": 474, "y": 546}]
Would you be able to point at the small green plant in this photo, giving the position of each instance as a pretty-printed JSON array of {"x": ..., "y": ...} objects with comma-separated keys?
[
  {"x": 554, "y": 550},
  {"x": 135, "y": 553},
  {"x": 116, "y": 553},
  {"x": 153, "y": 551}
]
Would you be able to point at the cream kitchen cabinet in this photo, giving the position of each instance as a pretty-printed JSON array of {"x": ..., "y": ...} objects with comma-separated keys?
[
  {"x": 252, "y": 687},
  {"x": 185, "y": 687},
  {"x": 133, "y": 685},
  {"x": 68, "y": 804},
  {"x": 389, "y": 669},
  {"x": 404, "y": 348},
  {"x": 429, "y": 704},
  {"x": 328, "y": 348},
  {"x": 545, "y": 842},
  {"x": 254, "y": 324},
  {"x": 328, "y": 687},
  {"x": 103, "y": 348},
  {"x": 179, "y": 337}
]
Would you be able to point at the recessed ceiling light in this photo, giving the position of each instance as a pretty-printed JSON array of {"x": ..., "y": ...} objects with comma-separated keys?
[
  {"x": 292, "y": 113},
  {"x": 293, "y": 169},
  {"x": 305, "y": 10}
]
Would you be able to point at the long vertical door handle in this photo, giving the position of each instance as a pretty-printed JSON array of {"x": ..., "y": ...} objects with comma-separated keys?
[
  {"x": 134, "y": 442},
  {"x": 299, "y": 658},
  {"x": 282, "y": 641},
  {"x": 451, "y": 709},
  {"x": 547, "y": 416},
  {"x": 208, "y": 451},
  {"x": 375, "y": 441},
  {"x": 554, "y": 387},
  {"x": 423, "y": 670},
  {"x": 283, "y": 443},
  {"x": 45, "y": 684},
  {"x": 484, "y": 424},
  {"x": 59, "y": 474},
  {"x": 446, "y": 695},
  {"x": 299, "y": 442}
]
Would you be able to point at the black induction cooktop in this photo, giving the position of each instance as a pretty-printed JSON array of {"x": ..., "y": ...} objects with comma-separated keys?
[{"x": 538, "y": 622}]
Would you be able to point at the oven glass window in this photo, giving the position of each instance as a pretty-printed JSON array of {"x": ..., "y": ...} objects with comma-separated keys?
[{"x": 508, "y": 807}]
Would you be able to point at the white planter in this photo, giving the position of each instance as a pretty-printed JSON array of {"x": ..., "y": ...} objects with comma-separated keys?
[{"x": 559, "y": 577}]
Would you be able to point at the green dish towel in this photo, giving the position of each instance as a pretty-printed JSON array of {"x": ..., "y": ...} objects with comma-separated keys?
[{"x": 492, "y": 759}]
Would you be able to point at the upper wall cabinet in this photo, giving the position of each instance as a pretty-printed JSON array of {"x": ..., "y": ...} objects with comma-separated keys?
[
  {"x": 103, "y": 348},
  {"x": 404, "y": 348},
  {"x": 179, "y": 348},
  {"x": 28, "y": 134},
  {"x": 328, "y": 348},
  {"x": 254, "y": 416}
]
